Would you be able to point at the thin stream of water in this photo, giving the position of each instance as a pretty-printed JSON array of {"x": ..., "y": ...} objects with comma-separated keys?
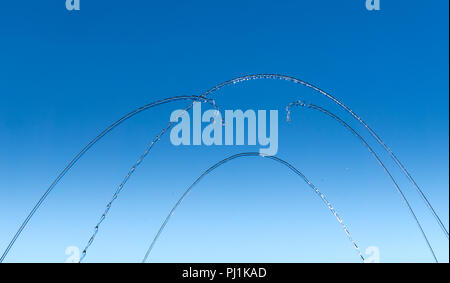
[{"x": 253, "y": 154}]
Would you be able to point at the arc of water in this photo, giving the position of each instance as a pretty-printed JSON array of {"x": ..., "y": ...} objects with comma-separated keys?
[
  {"x": 377, "y": 158},
  {"x": 252, "y": 154},
  {"x": 86, "y": 148}
]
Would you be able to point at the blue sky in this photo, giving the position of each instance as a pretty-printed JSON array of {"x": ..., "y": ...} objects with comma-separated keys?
[{"x": 66, "y": 75}]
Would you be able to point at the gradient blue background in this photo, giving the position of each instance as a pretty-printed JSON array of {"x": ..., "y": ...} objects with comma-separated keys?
[{"x": 66, "y": 75}]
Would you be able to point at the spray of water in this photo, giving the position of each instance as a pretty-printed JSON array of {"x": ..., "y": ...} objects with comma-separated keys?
[
  {"x": 377, "y": 158},
  {"x": 87, "y": 147},
  {"x": 253, "y": 154},
  {"x": 200, "y": 98}
]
